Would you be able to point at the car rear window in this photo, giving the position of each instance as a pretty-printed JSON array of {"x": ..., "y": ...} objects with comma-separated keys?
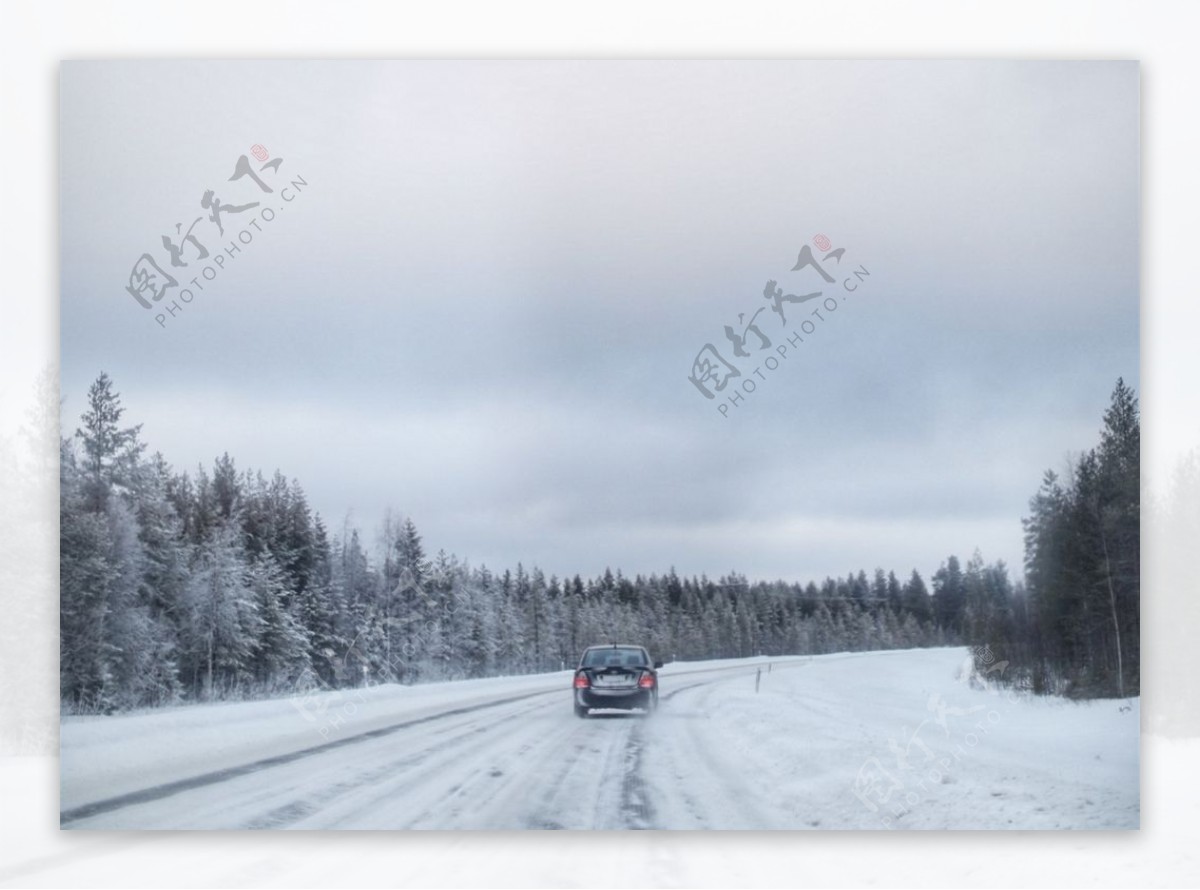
[{"x": 615, "y": 656}]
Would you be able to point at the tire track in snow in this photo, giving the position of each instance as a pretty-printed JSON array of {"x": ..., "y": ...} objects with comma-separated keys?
[
  {"x": 686, "y": 746},
  {"x": 577, "y": 793},
  {"x": 524, "y": 768},
  {"x": 636, "y": 808},
  {"x": 452, "y": 786},
  {"x": 158, "y": 792},
  {"x": 493, "y": 783},
  {"x": 434, "y": 747}
]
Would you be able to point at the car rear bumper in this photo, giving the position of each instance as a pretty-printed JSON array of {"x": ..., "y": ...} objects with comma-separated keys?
[{"x": 620, "y": 699}]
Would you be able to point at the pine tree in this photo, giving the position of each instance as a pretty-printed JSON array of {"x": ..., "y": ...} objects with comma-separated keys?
[
  {"x": 1117, "y": 506},
  {"x": 86, "y": 577},
  {"x": 110, "y": 452},
  {"x": 359, "y": 623},
  {"x": 949, "y": 596},
  {"x": 280, "y": 651},
  {"x": 536, "y": 617},
  {"x": 895, "y": 593},
  {"x": 222, "y": 622},
  {"x": 316, "y": 603}
]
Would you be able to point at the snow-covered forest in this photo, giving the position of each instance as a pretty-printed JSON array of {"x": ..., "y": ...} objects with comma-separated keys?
[
  {"x": 223, "y": 583},
  {"x": 1078, "y": 631}
]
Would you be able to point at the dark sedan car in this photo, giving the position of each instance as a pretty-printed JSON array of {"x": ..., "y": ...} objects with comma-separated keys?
[{"x": 617, "y": 677}]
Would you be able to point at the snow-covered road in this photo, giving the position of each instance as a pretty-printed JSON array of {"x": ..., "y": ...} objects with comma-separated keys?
[{"x": 871, "y": 740}]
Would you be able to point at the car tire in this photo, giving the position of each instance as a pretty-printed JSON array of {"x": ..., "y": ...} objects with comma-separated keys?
[{"x": 581, "y": 712}]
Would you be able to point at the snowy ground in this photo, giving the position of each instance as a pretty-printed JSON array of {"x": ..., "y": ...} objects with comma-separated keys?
[{"x": 886, "y": 740}]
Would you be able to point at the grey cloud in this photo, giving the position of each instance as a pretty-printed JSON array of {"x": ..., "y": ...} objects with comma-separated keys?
[{"x": 484, "y": 308}]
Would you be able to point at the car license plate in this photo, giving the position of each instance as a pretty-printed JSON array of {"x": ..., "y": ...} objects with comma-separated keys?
[{"x": 613, "y": 680}]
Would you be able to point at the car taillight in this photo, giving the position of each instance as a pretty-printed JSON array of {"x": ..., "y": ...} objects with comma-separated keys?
[
  {"x": 647, "y": 681},
  {"x": 581, "y": 681}
]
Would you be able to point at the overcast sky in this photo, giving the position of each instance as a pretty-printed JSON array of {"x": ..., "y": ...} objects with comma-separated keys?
[{"x": 483, "y": 307}]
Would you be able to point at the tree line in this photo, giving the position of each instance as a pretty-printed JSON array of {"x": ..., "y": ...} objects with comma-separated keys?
[
  {"x": 1074, "y": 626},
  {"x": 224, "y": 583}
]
